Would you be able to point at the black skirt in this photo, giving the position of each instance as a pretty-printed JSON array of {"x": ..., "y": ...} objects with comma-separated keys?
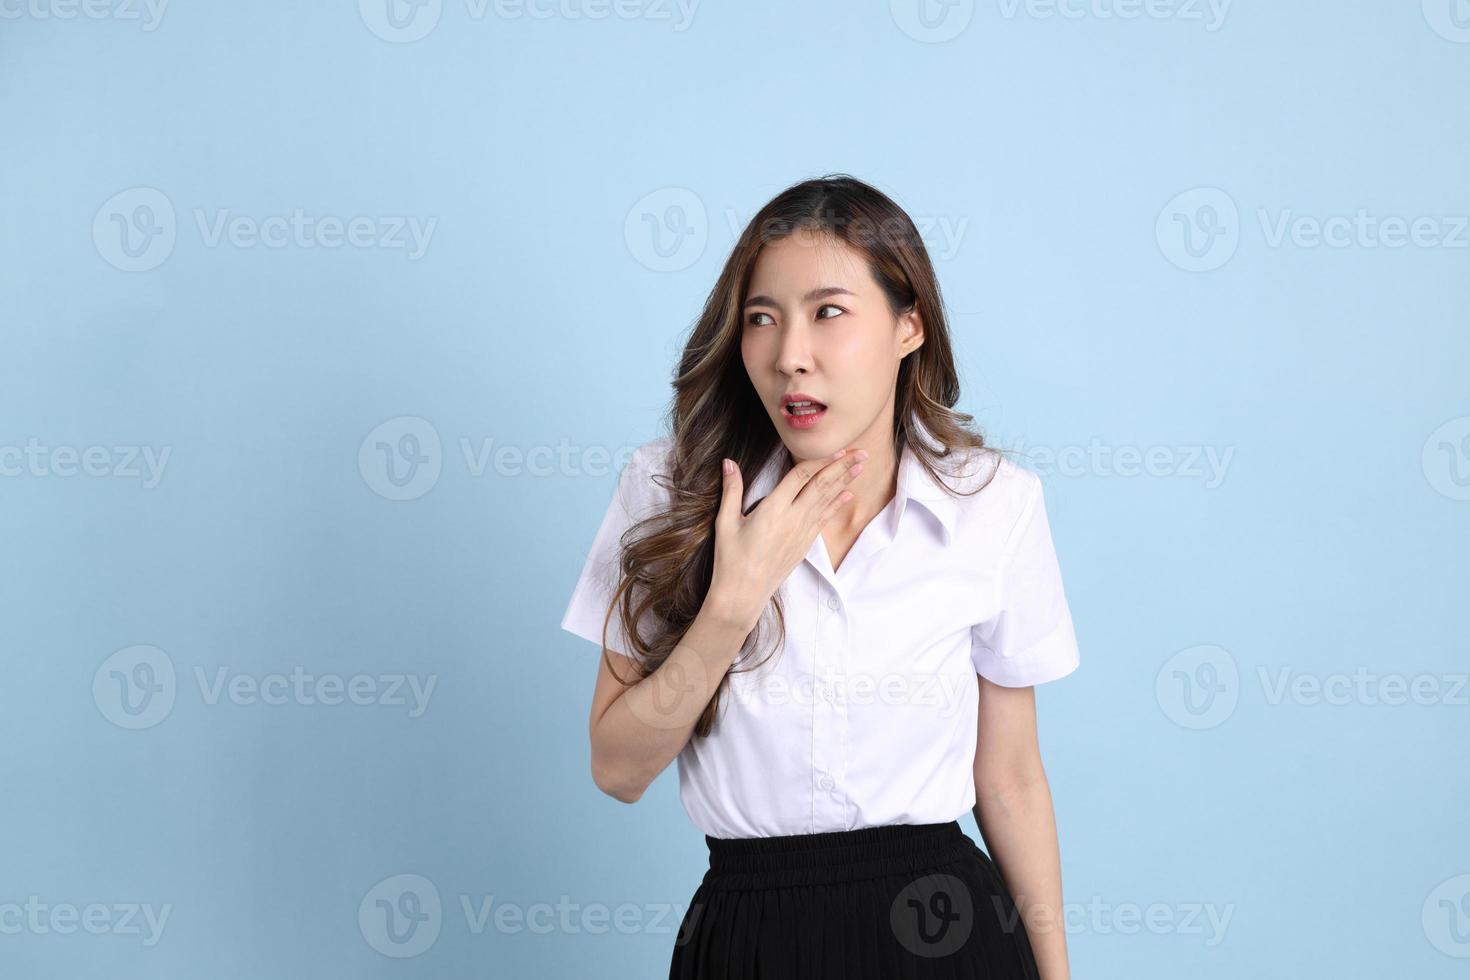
[{"x": 898, "y": 902}]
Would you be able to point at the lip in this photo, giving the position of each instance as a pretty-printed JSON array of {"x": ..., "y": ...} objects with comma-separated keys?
[
  {"x": 802, "y": 421},
  {"x": 800, "y": 396}
]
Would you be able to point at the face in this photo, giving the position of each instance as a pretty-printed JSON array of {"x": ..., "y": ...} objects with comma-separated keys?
[{"x": 816, "y": 323}]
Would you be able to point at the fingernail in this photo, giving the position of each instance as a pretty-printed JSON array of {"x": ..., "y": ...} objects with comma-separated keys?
[{"x": 729, "y": 467}]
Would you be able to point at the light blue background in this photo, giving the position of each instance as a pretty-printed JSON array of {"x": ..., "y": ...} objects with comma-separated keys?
[{"x": 544, "y": 316}]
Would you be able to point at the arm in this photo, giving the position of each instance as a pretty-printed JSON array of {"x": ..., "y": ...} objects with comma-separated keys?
[
  {"x": 637, "y": 731},
  {"x": 1013, "y": 810}
]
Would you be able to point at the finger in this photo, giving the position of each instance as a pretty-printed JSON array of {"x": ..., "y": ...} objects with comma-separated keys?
[
  {"x": 804, "y": 472},
  {"x": 828, "y": 483},
  {"x": 732, "y": 493},
  {"x": 838, "y": 502}
]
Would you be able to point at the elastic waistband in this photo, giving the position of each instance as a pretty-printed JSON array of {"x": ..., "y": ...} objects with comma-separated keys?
[{"x": 837, "y": 848}]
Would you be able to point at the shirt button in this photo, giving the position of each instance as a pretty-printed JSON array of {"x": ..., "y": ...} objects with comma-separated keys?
[
  {"x": 825, "y": 782},
  {"x": 834, "y": 603}
]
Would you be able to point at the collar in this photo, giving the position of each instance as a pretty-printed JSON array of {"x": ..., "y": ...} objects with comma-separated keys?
[{"x": 914, "y": 483}]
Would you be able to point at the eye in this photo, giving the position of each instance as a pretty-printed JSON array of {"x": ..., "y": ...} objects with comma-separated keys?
[
  {"x": 752, "y": 321},
  {"x": 828, "y": 306}
]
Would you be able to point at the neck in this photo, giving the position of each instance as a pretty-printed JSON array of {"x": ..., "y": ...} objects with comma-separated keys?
[{"x": 877, "y": 484}]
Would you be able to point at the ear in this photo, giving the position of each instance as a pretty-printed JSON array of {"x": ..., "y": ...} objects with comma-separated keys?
[{"x": 911, "y": 326}]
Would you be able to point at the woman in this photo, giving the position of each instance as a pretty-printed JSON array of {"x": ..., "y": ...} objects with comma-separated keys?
[{"x": 842, "y": 657}]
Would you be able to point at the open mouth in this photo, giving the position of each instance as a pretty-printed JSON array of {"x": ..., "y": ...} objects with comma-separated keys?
[
  {"x": 802, "y": 409},
  {"x": 802, "y": 413}
]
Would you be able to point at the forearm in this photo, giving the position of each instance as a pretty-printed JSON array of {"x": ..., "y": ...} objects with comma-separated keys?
[
  {"x": 646, "y": 727},
  {"x": 1019, "y": 827}
]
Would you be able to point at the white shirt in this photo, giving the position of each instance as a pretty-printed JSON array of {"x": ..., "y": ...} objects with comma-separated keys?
[{"x": 868, "y": 714}]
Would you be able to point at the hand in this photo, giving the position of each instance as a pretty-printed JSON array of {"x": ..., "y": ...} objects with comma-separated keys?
[{"x": 754, "y": 554}]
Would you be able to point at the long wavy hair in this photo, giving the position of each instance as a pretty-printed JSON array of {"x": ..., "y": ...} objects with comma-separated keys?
[{"x": 667, "y": 559}]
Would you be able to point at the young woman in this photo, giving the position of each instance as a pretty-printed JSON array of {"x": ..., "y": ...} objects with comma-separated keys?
[{"x": 841, "y": 657}]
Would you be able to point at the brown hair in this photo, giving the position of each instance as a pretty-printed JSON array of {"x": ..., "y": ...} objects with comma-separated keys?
[{"x": 667, "y": 559}]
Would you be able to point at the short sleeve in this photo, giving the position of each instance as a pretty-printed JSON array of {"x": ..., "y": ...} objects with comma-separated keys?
[
  {"x": 635, "y": 498},
  {"x": 1031, "y": 638}
]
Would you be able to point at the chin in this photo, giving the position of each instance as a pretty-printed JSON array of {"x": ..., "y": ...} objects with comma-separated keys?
[{"x": 813, "y": 446}]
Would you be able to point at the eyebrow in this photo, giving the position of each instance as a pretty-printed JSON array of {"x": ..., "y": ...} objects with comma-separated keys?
[{"x": 820, "y": 293}]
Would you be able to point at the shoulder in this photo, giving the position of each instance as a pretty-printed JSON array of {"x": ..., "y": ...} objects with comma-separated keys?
[
  {"x": 651, "y": 458},
  {"x": 1022, "y": 483},
  {"x": 989, "y": 471},
  {"x": 642, "y": 483},
  {"x": 994, "y": 492}
]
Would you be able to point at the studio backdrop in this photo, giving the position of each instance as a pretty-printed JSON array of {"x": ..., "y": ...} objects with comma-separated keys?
[{"x": 327, "y": 328}]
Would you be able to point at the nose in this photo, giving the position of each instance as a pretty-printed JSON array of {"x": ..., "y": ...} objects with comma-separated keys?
[{"x": 795, "y": 354}]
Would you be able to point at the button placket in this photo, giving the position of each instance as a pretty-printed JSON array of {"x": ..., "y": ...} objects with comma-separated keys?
[
  {"x": 840, "y": 627},
  {"x": 829, "y": 717}
]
